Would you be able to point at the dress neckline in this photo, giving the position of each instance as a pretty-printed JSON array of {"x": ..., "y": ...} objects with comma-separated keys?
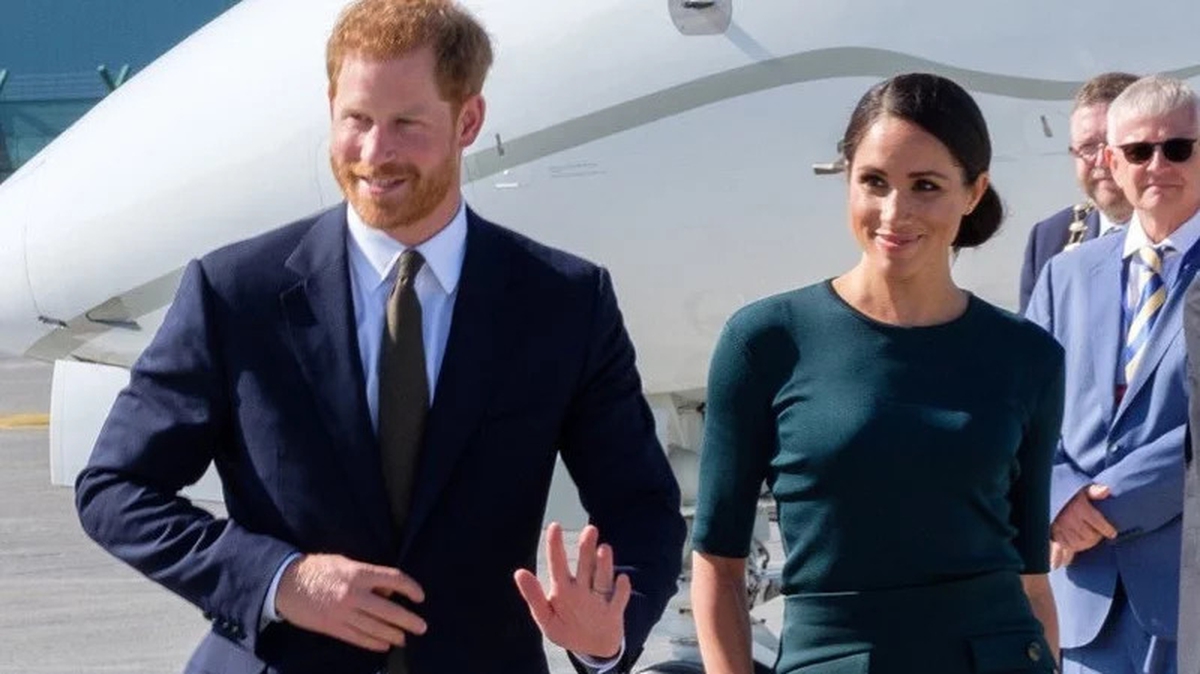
[{"x": 972, "y": 305}]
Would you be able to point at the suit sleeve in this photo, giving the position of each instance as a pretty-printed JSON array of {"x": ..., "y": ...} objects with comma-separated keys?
[
  {"x": 1029, "y": 268},
  {"x": 1066, "y": 479},
  {"x": 609, "y": 447},
  {"x": 1146, "y": 486},
  {"x": 162, "y": 433}
]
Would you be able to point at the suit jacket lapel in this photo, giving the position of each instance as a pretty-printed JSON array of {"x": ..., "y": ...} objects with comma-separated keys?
[
  {"x": 1103, "y": 293},
  {"x": 320, "y": 313},
  {"x": 1093, "y": 225},
  {"x": 1167, "y": 328},
  {"x": 462, "y": 387}
]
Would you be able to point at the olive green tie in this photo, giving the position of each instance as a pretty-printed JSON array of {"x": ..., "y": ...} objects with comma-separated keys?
[{"x": 403, "y": 400}]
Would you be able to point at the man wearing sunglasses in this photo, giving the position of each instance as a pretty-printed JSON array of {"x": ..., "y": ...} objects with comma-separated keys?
[
  {"x": 1115, "y": 304},
  {"x": 1105, "y": 209}
]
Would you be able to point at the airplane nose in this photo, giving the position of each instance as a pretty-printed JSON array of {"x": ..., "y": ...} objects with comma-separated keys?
[{"x": 19, "y": 326}]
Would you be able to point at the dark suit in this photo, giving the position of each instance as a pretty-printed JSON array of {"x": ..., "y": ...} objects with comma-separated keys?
[
  {"x": 1046, "y": 240},
  {"x": 1189, "y": 571},
  {"x": 256, "y": 368}
]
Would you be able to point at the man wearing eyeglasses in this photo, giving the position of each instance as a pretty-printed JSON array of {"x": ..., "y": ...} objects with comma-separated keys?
[
  {"x": 1105, "y": 209},
  {"x": 1115, "y": 304}
]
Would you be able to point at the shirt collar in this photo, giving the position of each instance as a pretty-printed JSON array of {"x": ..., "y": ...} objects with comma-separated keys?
[
  {"x": 443, "y": 253},
  {"x": 1180, "y": 241},
  {"x": 1107, "y": 225}
]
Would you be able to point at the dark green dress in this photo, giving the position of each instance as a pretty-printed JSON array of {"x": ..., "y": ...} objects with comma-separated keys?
[{"x": 911, "y": 468}]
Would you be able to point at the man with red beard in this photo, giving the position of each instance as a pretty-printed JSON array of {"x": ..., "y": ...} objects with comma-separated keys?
[
  {"x": 384, "y": 388},
  {"x": 1106, "y": 209}
]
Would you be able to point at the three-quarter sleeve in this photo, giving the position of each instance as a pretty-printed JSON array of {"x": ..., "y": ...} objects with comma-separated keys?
[
  {"x": 739, "y": 440},
  {"x": 1030, "y": 492}
]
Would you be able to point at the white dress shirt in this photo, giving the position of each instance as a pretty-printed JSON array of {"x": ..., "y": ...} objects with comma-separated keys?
[
  {"x": 372, "y": 257},
  {"x": 1107, "y": 226}
]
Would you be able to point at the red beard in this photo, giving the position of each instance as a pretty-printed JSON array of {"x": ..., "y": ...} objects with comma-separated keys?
[{"x": 417, "y": 198}]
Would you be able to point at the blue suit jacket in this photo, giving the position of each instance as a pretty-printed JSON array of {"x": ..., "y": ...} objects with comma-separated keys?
[
  {"x": 256, "y": 369},
  {"x": 1046, "y": 240},
  {"x": 1136, "y": 448}
]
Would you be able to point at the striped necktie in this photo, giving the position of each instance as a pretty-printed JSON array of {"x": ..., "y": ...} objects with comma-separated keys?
[{"x": 1150, "y": 293}]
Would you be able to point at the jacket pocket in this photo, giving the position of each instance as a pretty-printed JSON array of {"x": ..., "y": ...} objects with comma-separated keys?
[
  {"x": 1010, "y": 653},
  {"x": 218, "y": 655}
]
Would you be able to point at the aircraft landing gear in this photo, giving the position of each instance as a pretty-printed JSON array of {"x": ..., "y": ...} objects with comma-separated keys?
[{"x": 679, "y": 420}]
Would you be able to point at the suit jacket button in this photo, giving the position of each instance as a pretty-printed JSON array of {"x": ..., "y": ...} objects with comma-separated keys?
[{"x": 1034, "y": 651}]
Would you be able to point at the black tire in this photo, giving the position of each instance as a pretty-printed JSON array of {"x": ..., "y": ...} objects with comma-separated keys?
[{"x": 684, "y": 667}]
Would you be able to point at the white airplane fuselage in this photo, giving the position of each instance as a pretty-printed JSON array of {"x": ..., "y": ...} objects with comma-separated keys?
[{"x": 682, "y": 163}]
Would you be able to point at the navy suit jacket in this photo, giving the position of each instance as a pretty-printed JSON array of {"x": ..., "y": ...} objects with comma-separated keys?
[
  {"x": 1135, "y": 447},
  {"x": 1046, "y": 240},
  {"x": 256, "y": 369}
]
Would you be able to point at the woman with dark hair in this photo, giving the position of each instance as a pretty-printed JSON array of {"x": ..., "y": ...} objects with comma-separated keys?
[{"x": 904, "y": 426}]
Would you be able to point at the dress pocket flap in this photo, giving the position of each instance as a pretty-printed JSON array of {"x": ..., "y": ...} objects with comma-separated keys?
[
  {"x": 1011, "y": 652},
  {"x": 855, "y": 663}
]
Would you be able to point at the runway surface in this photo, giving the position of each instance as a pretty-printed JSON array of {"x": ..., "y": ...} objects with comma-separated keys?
[{"x": 66, "y": 606}]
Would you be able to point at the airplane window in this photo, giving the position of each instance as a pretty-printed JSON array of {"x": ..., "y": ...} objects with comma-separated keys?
[{"x": 701, "y": 17}]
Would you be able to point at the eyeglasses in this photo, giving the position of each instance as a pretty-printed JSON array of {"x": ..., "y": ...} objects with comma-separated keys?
[
  {"x": 1175, "y": 150},
  {"x": 1087, "y": 151}
]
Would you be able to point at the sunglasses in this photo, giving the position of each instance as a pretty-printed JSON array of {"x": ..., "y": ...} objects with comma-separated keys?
[{"x": 1175, "y": 150}]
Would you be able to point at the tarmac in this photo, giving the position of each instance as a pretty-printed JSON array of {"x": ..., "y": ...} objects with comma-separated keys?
[{"x": 66, "y": 606}]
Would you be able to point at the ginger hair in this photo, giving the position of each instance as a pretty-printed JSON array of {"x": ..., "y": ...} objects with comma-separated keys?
[{"x": 387, "y": 29}]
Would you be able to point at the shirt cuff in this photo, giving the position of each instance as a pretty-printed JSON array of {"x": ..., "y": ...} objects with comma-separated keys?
[
  {"x": 602, "y": 666},
  {"x": 268, "y": 614}
]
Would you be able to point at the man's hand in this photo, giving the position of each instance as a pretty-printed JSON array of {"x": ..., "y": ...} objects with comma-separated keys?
[
  {"x": 348, "y": 600},
  {"x": 584, "y": 613},
  {"x": 1080, "y": 526},
  {"x": 1059, "y": 555}
]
